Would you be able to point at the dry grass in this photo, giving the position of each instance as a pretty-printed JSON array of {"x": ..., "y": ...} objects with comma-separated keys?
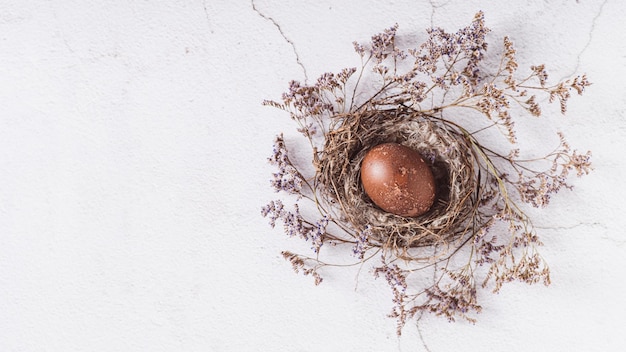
[{"x": 446, "y": 149}]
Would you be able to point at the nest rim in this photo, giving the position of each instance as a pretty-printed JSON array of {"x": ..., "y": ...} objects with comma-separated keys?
[{"x": 447, "y": 150}]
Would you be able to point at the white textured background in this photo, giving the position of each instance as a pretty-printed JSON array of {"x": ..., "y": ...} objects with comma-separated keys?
[{"x": 132, "y": 171}]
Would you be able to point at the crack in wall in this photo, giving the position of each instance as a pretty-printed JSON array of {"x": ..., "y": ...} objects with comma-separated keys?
[
  {"x": 282, "y": 33},
  {"x": 570, "y": 227},
  {"x": 59, "y": 31},
  {"x": 208, "y": 18},
  {"x": 604, "y": 236},
  {"x": 590, "y": 38},
  {"x": 421, "y": 314},
  {"x": 433, "y": 8},
  {"x": 421, "y": 336}
]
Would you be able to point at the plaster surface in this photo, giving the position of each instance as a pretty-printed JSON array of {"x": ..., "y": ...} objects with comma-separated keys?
[{"x": 133, "y": 150}]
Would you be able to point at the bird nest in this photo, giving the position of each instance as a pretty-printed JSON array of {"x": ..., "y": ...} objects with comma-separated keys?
[
  {"x": 450, "y": 157},
  {"x": 482, "y": 183}
]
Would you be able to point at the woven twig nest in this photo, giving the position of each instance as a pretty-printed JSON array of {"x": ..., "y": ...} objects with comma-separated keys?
[
  {"x": 445, "y": 148},
  {"x": 480, "y": 190}
]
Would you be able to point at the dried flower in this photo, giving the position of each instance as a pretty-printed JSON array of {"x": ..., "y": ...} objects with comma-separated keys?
[
  {"x": 287, "y": 178},
  {"x": 361, "y": 242},
  {"x": 483, "y": 190}
]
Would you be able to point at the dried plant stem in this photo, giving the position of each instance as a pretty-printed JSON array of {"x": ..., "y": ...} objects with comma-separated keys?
[{"x": 478, "y": 218}]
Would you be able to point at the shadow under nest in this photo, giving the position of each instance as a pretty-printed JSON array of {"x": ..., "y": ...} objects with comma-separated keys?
[{"x": 447, "y": 149}]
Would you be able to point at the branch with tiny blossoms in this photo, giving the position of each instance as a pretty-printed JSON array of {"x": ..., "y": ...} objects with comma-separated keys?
[{"x": 448, "y": 74}]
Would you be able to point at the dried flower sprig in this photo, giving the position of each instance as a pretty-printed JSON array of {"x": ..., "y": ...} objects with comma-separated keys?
[{"x": 477, "y": 231}]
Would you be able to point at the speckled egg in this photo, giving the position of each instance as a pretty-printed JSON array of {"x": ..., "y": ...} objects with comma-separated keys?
[{"x": 398, "y": 180}]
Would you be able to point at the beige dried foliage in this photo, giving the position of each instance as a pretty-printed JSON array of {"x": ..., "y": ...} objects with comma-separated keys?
[{"x": 478, "y": 217}]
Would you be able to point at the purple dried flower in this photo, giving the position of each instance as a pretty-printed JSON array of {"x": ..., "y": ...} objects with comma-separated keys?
[
  {"x": 457, "y": 300},
  {"x": 287, "y": 178},
  {"x": 274, "y": 209},
  {"x": 361, "y": 243},
  {"x": 445, "y": 74},
  {"x": 383, "y": 44},
  {"x": 396, "y": 278},
  {"x": 293, "y": 222},
  {"x": 317, "y": 233},
  {"x": 359, "y": 48}
]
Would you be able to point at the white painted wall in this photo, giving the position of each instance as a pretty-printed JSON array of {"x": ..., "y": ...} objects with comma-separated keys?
[{"x": 132, "y": 172}]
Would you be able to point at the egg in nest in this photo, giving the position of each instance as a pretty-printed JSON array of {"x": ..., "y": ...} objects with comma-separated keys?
[{"x": 398, "y": 180}]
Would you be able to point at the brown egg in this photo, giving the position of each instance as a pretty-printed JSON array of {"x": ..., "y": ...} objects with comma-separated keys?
[{"x": 398, "y": 180}]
